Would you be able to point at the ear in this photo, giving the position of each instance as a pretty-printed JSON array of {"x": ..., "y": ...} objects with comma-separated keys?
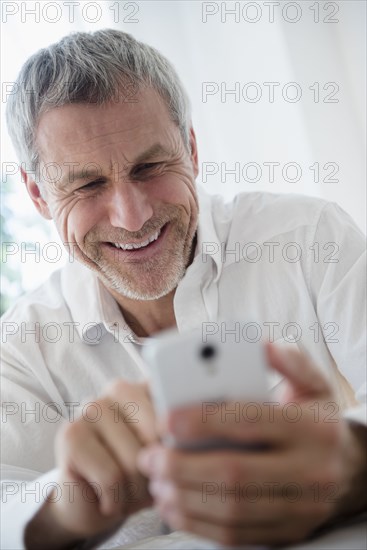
[
  {"x": 194, "y": 152},
  {"x": 35, "y": 194}
]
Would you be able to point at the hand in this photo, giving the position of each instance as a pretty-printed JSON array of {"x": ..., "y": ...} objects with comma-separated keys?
[
  {"x": 274, "y": 496},
  {"x": 100, "y": 485}
]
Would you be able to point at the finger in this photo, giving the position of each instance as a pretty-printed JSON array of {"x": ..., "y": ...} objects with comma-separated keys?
[
  {"x": 299, "y": 370},
  {"x": 132, "y": 403},
  {"x": 251, "y": 425},
  {"x": 116, "y": 436},
  {"x": 192, "y": 469},
  {"x": 85, "y": 456},
  {"x": 240, "y": 505},
  {"x": 123, "y": 445},
  {"x": 274, "y": 534}
]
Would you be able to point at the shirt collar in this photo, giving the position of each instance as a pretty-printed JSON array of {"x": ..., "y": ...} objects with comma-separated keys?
[
  {"x": 208, "y": 247},
  {"x": 85, "y": 296}
]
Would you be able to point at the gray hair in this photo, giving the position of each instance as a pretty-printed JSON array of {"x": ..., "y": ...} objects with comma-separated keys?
[{"x": 89, "y": 68}]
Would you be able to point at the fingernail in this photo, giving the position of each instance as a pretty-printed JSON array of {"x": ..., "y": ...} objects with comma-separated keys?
[
  {"x": 154, "y": 487},
  {"x": 159, "y": 489}
]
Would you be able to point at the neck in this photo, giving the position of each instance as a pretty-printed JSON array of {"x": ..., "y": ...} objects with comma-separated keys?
[{"x": 148, "y": 317}]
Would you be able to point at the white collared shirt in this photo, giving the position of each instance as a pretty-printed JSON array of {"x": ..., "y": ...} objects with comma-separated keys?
[{"x": 277, "y": 265}]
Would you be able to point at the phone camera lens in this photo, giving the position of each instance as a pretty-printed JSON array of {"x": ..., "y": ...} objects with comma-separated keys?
[{"x": 207, "y": 352}]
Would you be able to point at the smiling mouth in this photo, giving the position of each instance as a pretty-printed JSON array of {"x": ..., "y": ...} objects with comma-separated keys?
[{"x": 144, "y": 244}]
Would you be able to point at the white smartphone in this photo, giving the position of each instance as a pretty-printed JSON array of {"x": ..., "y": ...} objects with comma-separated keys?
[{"x": 196, "y": 367}]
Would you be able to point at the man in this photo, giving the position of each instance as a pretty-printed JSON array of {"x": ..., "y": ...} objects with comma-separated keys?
[{"x": 110, "y": 155}]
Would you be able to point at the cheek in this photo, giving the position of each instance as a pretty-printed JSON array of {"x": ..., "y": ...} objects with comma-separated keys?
[
  {"x": 178, "y": 188},
  {"x": 75, "y": 218},
  {"x": 82, "y": 218}
]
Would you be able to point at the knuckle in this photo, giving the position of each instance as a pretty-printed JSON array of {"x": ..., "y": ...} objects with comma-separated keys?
[
  {"x": 71, "y": 433},
  {"x": 233, "y": 472},
  {"x": 104, "y": 405},
  {"x": 119, "y": 388},
  {"x": 110, "y": 477}
]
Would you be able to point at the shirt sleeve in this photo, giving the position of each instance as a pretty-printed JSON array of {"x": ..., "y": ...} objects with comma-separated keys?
[
  {"x": 338, "y": 287},
  {"x": 30, "y": 418},
  {"x": 23, "y": 492},
  {"x": 32, "y": 412}
]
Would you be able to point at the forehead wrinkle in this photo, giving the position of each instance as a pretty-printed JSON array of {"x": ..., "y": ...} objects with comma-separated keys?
[
  {"x": 109, "y": 134},
  {"x": 157, "y": 148}
]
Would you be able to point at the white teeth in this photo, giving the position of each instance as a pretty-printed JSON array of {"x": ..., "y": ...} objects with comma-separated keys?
[{"x": 134, "y": 246}]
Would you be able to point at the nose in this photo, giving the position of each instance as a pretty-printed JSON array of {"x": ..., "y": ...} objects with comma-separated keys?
[{"x": 128, "y": 206}]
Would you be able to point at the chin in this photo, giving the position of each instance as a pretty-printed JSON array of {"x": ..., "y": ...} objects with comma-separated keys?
[{"x": 137, "y": 290}]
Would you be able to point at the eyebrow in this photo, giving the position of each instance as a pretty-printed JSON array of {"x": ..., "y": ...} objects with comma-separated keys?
[{"x": 152, "y": 152}]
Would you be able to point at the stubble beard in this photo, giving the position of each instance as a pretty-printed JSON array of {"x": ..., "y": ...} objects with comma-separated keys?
[{"x": 153, "y": 278}]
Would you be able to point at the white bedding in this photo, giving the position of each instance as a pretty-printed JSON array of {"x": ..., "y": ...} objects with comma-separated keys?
[{"x": 143, "y": 531}]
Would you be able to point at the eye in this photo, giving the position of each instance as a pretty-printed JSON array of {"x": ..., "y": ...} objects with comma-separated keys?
[
  {"x": 146, "y": 168},
  {"x": 93, "y": 184}
]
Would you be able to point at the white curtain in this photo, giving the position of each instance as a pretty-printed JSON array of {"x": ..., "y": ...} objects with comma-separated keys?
[{"x": 277, "y": 90}]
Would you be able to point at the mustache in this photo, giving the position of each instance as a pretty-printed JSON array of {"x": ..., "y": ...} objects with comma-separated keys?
[
  {"x": 149, "y": 228},
  {"x": 146, "y": 231}
]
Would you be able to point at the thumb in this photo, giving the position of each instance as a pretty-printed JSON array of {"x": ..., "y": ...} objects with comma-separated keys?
[{"x": 305, "y": 378}]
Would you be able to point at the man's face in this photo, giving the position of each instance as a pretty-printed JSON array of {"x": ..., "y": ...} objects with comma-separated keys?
[{"x": 142, "y": 189}]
